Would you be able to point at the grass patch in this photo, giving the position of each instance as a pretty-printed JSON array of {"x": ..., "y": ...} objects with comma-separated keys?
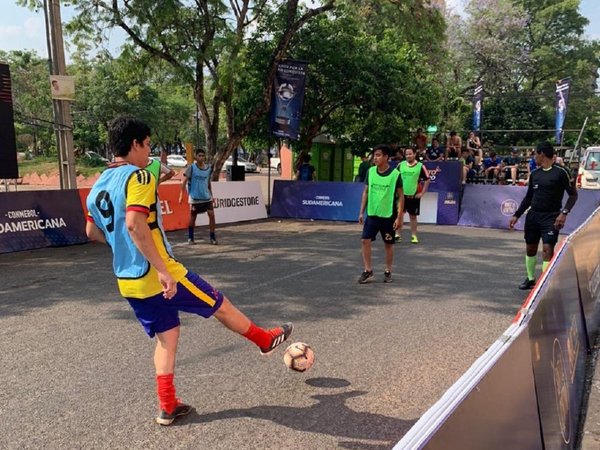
[{"x": 48, "y": 165}]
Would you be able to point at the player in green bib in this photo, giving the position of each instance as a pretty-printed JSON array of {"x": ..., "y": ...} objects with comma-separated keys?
[
  {"x": 415, "y": 181},
  {"x": 383, "y": 187}
]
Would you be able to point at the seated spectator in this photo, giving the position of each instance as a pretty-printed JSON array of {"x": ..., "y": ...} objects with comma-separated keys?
[
  {"x": 420, "y": 141},
  {"x": 491, "y": 167},
  {"x": 306, "y": 171},
  {"x": 467, "y": 161},
  {"x": 435, "y": 152},
  {"x": 532, "y": 164},
  {"x": 474, "y": 145},
  {"x": 363, "y": 168},
  {"x": 510, "y": 166}
]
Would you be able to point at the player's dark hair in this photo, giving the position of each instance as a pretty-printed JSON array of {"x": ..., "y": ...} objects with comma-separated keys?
[
  {"x": 123, "y": 130},
  {"x": 200, "y": 150},
  {"x": 306, "y": 158},
  {"x": 385, "y": 149},
  {"x": 411, "y": 149},
  {"x": 493, "y": 154},
  {"x": 453, "y": 133},
  {"x": 545, "y": 148}
]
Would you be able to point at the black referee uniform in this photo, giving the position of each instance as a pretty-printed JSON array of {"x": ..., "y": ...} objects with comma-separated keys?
[{"x": 544, "y": 196}]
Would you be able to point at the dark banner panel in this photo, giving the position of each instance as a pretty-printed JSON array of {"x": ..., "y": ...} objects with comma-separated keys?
[
  {"x": 478, "y": 106},
  {"x": 8, "y": 145},
  {"x": 320, "y": 200},
  {"x": 586, "y": 252},
  {"x": 558, "y": 352},
  {"x": 500, "y": 413},
  {"x": 561, "y": 104},
  {"x": 37, "y": 219},
  {"x": 492, "y": 206},
  {"x": 288, "y": 99},
  {"x": 445, "y": 176}
]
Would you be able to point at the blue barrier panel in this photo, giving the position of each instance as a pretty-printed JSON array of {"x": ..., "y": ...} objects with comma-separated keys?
[
  {"x": 445, "y": 176},
  {"x": 558, "y": 352},
  {"x": 490, "y": 206},
  {"x": 586, "y": 252},
  {"x": 37, "y": 219},
  {"x": 317, "y": 200}
]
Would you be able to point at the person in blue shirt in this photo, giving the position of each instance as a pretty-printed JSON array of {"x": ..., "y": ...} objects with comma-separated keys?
[
  {"x": 491, "y": 166},
  {"x": 196, "y": 179},
  {"x": 306, "y": 171}
]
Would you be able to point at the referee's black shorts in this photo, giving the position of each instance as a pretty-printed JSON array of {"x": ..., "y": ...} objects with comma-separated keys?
[{"x": 540, "y": 225}]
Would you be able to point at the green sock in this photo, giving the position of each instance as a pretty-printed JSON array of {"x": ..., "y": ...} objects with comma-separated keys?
[
  {"x": 530, "y": 263},
  {"x": 545, "y": 265}
]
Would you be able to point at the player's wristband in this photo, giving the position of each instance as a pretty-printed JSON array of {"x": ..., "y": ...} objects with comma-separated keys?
[{"x": 565, "y": 211}]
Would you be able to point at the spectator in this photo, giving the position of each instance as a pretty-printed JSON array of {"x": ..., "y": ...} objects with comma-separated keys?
[
  {"x": 491, "y": 167},
  {"x": 306, "y": 171},
  {"x": 532, "y": 163},
  {"x": 420, "y": 141},
  {"x": 435, "y": 152},
  {"x": 397, "y": 158},
  {"x": 453, "y": 146},
  {"x": 467, "y": 163},
  {"x": 474, "y": 145},
  {"x": 363, "y": 168},
  {"x": 510, "y": 166}
]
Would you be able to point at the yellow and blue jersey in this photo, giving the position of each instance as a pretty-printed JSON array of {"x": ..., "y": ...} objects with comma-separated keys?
[{"x": 125, "y": 188}]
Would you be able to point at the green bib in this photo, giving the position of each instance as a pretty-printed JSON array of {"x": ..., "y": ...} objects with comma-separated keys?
[
  {"x": 154, "y": 169},
  {"x": 410, "y": 177},
  {"x": 382, "y": 190}
]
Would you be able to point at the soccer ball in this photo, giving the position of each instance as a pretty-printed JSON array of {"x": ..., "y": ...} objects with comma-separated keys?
[{"x": 299, "y": 357}]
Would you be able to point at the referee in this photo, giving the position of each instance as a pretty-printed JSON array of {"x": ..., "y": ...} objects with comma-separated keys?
[{"x": 546, "y": 217}]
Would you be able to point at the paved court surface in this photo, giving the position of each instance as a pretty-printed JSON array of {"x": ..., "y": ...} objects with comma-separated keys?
[{"x": 77, "y": 369}]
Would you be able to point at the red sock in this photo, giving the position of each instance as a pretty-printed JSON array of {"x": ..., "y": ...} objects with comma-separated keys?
[
  {"x": 165, "y": 389},
  {"x": 259, "y": 336}
]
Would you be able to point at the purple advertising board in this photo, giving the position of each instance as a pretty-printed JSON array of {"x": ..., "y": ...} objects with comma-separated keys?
[
  {"x": 559, "y": 348},
  {"x": 444, "y": 176},
  {"x": 37, "y": 219},
  {"x": 491, "y": 206},
  {"x": 321, "y": 200}
]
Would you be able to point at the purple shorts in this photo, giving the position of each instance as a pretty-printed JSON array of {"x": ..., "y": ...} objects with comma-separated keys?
[{"x": 194, "y": 295}]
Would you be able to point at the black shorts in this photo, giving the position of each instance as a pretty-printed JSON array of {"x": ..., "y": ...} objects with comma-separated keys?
[
  {"x": 412, "y": 205},
  {"x": 374, "y": 225},
  {"x": 540, "y": 225},
  {"x": 199, "y": 208}
]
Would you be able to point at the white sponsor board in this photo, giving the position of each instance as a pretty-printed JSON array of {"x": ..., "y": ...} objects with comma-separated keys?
[
  {"x": 236, "y": 201},
  {"x": 429, "y": 207}
]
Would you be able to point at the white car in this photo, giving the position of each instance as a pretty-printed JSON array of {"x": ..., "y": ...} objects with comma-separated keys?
[
  {"x": 248, "y": 166},
  {"x": 176, "y": 161},
  {"x": 96, "y": 156},
  {"x": 589, "y": 169}
]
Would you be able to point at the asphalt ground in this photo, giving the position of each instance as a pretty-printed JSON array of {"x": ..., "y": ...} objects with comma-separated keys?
[{"x": 77, "y": 368}]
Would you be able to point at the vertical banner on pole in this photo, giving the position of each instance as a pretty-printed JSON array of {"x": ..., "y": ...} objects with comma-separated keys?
[
  {"x": 561, "y": 101},
  {"x": 477, "y": 106},
  {"x": 288, "y": 98},
  {"x": 8, "y": 145}
]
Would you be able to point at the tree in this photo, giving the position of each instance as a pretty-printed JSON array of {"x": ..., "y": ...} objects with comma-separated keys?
[{"x": 203, "y": 41}]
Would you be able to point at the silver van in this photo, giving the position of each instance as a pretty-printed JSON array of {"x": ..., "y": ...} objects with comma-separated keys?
[{"x": 589, "y": 169}]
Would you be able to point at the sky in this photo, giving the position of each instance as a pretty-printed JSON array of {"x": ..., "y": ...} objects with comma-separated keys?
[{"x": 22, "y": 29}]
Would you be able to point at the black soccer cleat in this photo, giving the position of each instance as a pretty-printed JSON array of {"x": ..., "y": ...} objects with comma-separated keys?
[
  {"x": 365, "y": 277},
  {"x": 280, "y": 335},
  {"x": 166, "y": 419},
  {"x": 527, "y": 284}
]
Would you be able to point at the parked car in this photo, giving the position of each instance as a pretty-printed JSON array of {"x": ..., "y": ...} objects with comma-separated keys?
[
  {"x": 176, "y": 161},
  {"x": 248, "y": 166},
  {"x": 589, "y": 169},
  {"x": 95, "y": 156}
]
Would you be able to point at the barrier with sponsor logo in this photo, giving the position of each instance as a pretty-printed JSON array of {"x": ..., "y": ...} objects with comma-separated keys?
[
  {"x": 36, "y": 219},
  {"x": 542, "y": 387},
  {"x": 491, "y": 206},
  {"x": 332, "y": 201},
  {"x": 233, "y": 202}
]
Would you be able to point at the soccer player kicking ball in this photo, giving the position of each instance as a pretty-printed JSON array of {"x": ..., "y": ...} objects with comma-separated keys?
[
  {"x": 547, "y": 184},
  {"x": 124, "y": 213},
  {"x": 383, "y": 186}
]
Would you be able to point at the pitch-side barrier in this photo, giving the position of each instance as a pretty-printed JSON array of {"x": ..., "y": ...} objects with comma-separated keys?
[{"x": 526, "y": 390}]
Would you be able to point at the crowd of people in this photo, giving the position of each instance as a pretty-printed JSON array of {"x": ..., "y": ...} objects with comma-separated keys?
[{"x": 480, "y": 164}]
